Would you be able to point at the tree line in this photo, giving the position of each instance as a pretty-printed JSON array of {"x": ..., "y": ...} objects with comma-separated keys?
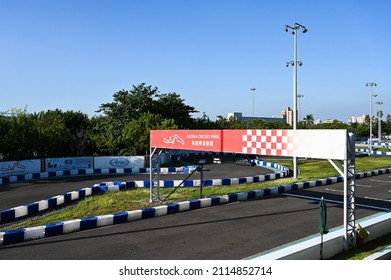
[{"x": 122, "y": 126}]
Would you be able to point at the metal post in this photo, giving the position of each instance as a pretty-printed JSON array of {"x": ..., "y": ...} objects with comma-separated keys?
[
  {"x": 154, "y": 175},
  {"x": 349, "y": 174},
  {"x": 295, "y": 96},
  {"x": 202, "y": 162},
  {"x": 253, "y": 90},
  {"x": 370, "y": 124},
  {"x": 379, "y": 116},
  {"x": 294, "y": 63},
  {"x": 298, "y": 106},
  {"x": 370, "y": 85}
]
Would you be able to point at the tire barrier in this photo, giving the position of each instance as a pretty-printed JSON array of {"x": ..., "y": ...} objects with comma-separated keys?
[{"x": 25, "y": 234}]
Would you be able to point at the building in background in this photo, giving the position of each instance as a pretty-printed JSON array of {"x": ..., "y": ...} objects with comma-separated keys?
[
  {"x": 359, "y": 119},
  {"x": 286, "y": 117}
]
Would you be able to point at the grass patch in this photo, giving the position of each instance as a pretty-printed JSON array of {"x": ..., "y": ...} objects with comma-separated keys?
[{"x": 362, "y": 251}]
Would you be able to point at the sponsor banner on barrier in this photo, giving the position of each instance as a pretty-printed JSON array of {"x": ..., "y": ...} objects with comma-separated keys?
[
  {"x": 11, "y": 168},
  {"x": 119, "y": 162},
  {"x": 315, "y": 143},
  {"x": 59, "y": 164}
]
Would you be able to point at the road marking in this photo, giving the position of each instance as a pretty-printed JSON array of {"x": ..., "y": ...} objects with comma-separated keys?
[
  {"x": 374, "y": 198},
  {"x": 338, "y": 202},
  {"x": 332, "y": 190},
  {"x": 380, "y": 181},
  {"x": 364, "y": 186}
]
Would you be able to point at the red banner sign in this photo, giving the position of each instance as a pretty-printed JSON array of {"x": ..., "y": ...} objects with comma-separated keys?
[{"x": 265, "y": 142}]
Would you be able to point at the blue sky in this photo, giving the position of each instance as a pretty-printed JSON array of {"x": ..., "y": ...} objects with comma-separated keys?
[{"x": 74, "y": 55}]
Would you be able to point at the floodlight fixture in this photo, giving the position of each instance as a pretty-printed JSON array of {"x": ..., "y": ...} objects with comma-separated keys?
[
  {"x": 303, "y": 29},
  {"x": 295, "y": 27},
  {"x": 371, "y": 84}
]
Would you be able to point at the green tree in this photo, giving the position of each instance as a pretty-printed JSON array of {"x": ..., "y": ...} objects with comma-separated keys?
[
  {"x": 19, "y": 137},
  {"x": 171, "y": 106},
  {"x": 362, "y": 130},
  {"x": 125, "y": 126},
  {"x": 78, "y": 124},
  {"x": 386, "y": 125},
  {"x": 309, "y": 120},
  {"x": 54, "y": 134},
  {"x": 130, "y": 105},
  {"x": 204, "y": 122},
  {"x": 103, "y": 137},
  {"x": 135, "y": 138}
]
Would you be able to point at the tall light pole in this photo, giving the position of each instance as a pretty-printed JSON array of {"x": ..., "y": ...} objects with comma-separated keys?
[
  {"x": 300, "y": 96},
  {"x": 379, "y": 116},
  {"x": 253, "y": 91},
  {"x": 370, "y": 85},
  {"x": 294, "y": 63}
]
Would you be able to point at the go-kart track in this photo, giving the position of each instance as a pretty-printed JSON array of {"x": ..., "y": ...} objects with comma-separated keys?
[
  {"x": 231, "y": 231},
  {"x": 241, "y": 226}
]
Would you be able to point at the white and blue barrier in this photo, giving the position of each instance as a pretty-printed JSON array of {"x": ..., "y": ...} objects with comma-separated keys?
[
  {"x": 378, "y": 144},
  {"x": 25, "y": 234},
  {"x": 89, "y": 171},
  {"x": 12, "y": 214},
  {"x": 379, "y": 153}
]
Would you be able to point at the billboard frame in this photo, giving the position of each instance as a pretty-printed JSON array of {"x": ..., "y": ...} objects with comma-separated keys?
[{"x": 292, "y": 143}]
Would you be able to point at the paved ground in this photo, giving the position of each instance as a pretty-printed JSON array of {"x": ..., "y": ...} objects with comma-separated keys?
[
  {"x": 232, "y": 231},
  {"x": 22, "y": 193}
]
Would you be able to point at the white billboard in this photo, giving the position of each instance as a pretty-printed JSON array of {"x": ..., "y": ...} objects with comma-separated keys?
[
  {"x": 60, "y": 164},
  {"x": 320, "y": 143},
  {"x": 22, "y": 167}
]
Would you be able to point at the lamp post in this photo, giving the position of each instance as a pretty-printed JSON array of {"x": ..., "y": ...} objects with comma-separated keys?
[
  {"x": 370, "y": 85},
  {"x": 379, "y": 116},
  {"x": 253, "y": 91},
  {"x": 298, "y": 106},
  {"x": 294, "y": 63}
]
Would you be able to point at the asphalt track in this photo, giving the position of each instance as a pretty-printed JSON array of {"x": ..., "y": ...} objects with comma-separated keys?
[
  {"x": 16, "y": 194},
  {"x": 231, "y": 231}
]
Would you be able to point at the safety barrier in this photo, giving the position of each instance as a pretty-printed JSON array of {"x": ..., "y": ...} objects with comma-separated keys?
[
  {"x": 12, "y": 214},
  {"x": 379, "y": 153},
  {"x": 24, "y": 234},
  {"x": 89, "y": 171}
]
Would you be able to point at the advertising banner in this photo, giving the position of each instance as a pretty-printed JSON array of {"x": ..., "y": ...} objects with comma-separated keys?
[
  {"x": 311, "y": 143},
  {"x": 119, "y": 162},
  {"x": 59, "y": 164},
  {"x": 196, "y": 140},
  {"x": 11, "y": 168}
]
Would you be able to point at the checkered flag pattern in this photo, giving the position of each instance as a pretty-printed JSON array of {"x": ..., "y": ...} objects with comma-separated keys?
[{"x": 268, "y": 142}]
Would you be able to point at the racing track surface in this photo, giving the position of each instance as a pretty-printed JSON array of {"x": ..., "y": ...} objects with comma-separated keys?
[
  {"x": 16, "y": 194},
  {"x": 231, "y": 231}
]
